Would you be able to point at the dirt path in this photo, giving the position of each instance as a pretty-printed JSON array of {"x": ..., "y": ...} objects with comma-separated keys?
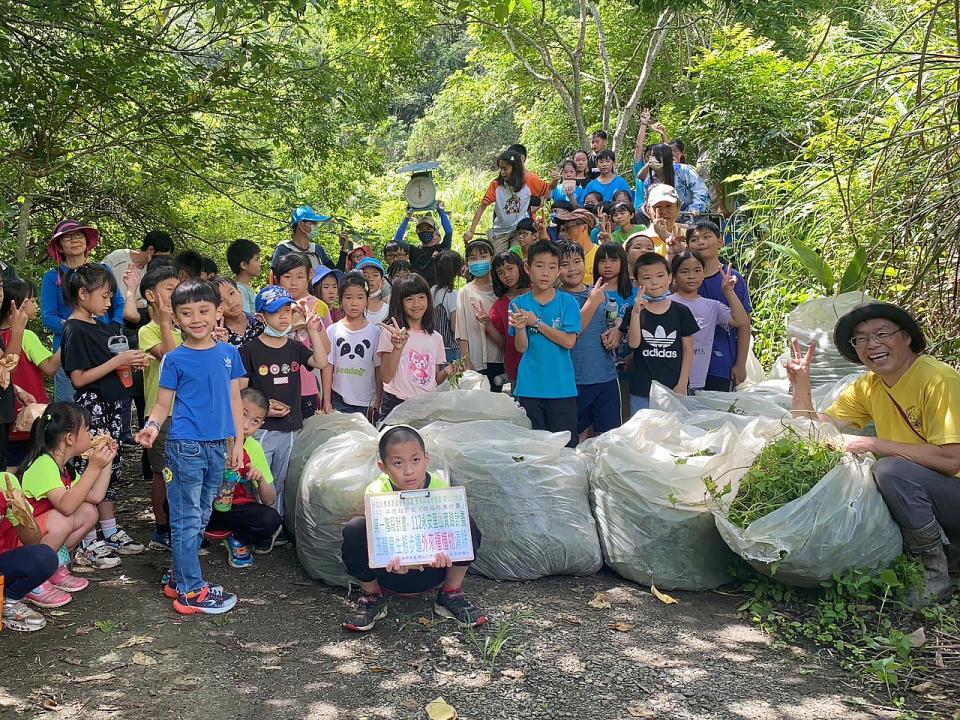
[{"x": 120, "y": 651}]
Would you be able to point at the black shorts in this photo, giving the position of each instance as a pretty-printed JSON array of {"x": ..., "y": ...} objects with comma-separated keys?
[{"x": 553, "y": 415}]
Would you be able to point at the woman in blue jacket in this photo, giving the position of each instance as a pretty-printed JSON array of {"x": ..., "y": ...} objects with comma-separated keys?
[{"x": 70, "y": 246}]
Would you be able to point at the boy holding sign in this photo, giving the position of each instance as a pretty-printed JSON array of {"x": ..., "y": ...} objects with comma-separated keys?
[{"x": 404, "y": 461}]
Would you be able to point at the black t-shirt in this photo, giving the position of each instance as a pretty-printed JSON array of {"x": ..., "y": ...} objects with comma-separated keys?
[
  {"x": 276, "y": 373},
  {"x": 8, "y": 394},
  {"x": 84, "y": 347},
  {"x": 661, "y": 351},
  {"x": 421, "y": 260}
]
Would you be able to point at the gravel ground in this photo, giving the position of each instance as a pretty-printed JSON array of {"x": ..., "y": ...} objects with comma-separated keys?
[{"x": 120, "y": 651}]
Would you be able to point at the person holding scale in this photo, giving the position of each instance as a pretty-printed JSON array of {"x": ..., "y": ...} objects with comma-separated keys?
[{"x": 404, "y": 461}]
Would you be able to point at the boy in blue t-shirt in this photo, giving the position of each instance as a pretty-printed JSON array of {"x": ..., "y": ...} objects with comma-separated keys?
[
  {"x": 731, "y": 347},
  {"x": 545, "y": 325},
  {"x": 595, "y": 354},
  {"x": 201, "y": 378}
]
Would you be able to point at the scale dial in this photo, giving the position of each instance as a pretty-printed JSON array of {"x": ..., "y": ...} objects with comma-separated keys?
[{"x": 420, "y": 191}]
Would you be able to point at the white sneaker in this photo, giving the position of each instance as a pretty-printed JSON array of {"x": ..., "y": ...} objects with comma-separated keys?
[
  {"x": 96, "y": 555},
  {"x": 19, "y": 617},
  {"x": 122, "y": 543}
]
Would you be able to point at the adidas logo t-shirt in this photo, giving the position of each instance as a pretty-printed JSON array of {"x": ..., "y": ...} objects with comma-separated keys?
[{"x": 661, "y": 351}]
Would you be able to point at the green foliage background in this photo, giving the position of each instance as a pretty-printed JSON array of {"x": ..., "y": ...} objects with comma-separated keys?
[{"x": 832, "y": 130}]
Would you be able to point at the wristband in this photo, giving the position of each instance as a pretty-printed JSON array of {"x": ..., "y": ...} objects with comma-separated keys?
[
  {"x": 536, "y": 326},
  {"x": 151, "y": 423}
]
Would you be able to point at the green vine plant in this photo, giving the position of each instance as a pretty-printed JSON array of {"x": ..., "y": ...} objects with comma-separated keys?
[{"x": 854, "y": 276}]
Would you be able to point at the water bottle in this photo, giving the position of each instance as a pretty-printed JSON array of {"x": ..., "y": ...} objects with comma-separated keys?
[
  {"x": 612, "y": 312},
  {"x": 224, "y": 499},
  {"x": 117, "y": 344}
]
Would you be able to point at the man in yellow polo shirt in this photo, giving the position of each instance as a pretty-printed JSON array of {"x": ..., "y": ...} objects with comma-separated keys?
[{"x": 914, "y": 401}]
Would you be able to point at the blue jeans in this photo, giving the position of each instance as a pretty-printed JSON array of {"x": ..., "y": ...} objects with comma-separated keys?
[
  {"x": 196, "y": 474},
  {"x": 63, "y": 390},
  {"x": 638, "y": 402},
  {"x": 452, "y": 354}
]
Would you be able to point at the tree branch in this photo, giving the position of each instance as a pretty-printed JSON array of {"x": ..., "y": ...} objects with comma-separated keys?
[
  {"x": 657, "y": 39},
  {"x": 607, "y": 73}
]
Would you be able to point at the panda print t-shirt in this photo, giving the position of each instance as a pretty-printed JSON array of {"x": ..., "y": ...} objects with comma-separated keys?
[{"x": 353, "y": 355}]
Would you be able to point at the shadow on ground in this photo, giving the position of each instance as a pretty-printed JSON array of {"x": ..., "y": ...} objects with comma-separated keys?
[{"x": 120, "y": 651}]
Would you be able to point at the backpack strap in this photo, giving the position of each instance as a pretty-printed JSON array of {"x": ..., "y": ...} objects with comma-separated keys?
[{"x": 904, "y": 415}]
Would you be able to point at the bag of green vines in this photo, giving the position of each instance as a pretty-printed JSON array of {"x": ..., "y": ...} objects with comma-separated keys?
[
  {"x": 316, "y": 431},
  {"x": 331, "y": 490},
  {"x": 650, "y": 498},
  {"x": 840, "y": 523}
]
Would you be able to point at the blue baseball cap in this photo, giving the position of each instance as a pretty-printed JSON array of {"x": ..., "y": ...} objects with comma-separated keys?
[
  {"x": 306, "y": 213},
  {"x": 322, "y": 271},
  {"x": 272, "y": 298},
  {"x": 369, "y": 261}
]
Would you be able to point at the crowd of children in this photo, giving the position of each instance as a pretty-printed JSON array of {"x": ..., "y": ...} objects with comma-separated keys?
[{"x": 574, "y": 313}]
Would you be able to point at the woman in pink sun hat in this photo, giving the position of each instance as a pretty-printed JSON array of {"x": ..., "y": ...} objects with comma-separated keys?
[{"x": 70, "y": 246}]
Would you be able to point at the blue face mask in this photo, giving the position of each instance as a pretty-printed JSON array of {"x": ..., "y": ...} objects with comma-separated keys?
[
  {"x": 649, "y": 299},
  {"x": 425, "y": 237},
  {"x": 479, "y": 268},
  {"x": 270, "y": 331}
]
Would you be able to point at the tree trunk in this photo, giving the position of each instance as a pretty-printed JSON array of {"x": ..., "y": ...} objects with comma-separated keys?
[{"x": 23, "y": 218}]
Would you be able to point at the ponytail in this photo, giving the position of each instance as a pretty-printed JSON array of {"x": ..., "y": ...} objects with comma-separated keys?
[
  {"x": 59, "y": 419},
  {"x": 89, "y": 277}
]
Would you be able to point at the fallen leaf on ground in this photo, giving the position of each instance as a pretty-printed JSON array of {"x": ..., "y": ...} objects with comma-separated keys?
[
  {"x": 515, "y": 674},
  {"x": 425, "y": 621},
  {"x": 94, "y": 678},
  {"x": 938, "y": 659},
  {"x": 53, "y": 705},
  {"x": 84, "y": 630},
  {"x": 600, "y": 601},
  {"x": 82, "y": 569},
  {"x": 662, "y": 597},
  {"x": 379, "y": 670},
  {"x": 923, "y": 687},
  {"x": 570, "y": 619},
  {"x": 440, "y": 710},
  {"x": 410, "y": 704},
  {"x": 117, "y": 582},
  {"x": 917, "y": 638},
  {"x": 72, "y": 661},
  {"x": 135, "y": 640},
  {"x": 419, "y": 662},
  {"x": 140, "y": 658},
  {"x": 638, "y": 711},
  {"x": 266, "y": 648},
  {"x": 57, "y": 613},
  {"x": 622, "y": 627}
]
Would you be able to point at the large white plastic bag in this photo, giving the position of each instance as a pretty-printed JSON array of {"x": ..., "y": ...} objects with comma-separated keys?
[
  {"x": 814, "y": 321},
  {"x": 771, "y": 398},
  {"x": 470, "y": 380},
  {"x": 457, "y": 406},
  {"x": 316, "y": 431},
  {"x": 649, "y": 495},
  {"x": 331, "y": 492},
  {"x": 841, "y": 523},
  {"x": 753, "y": 402},
  {"x": 527, "y": 494}
]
